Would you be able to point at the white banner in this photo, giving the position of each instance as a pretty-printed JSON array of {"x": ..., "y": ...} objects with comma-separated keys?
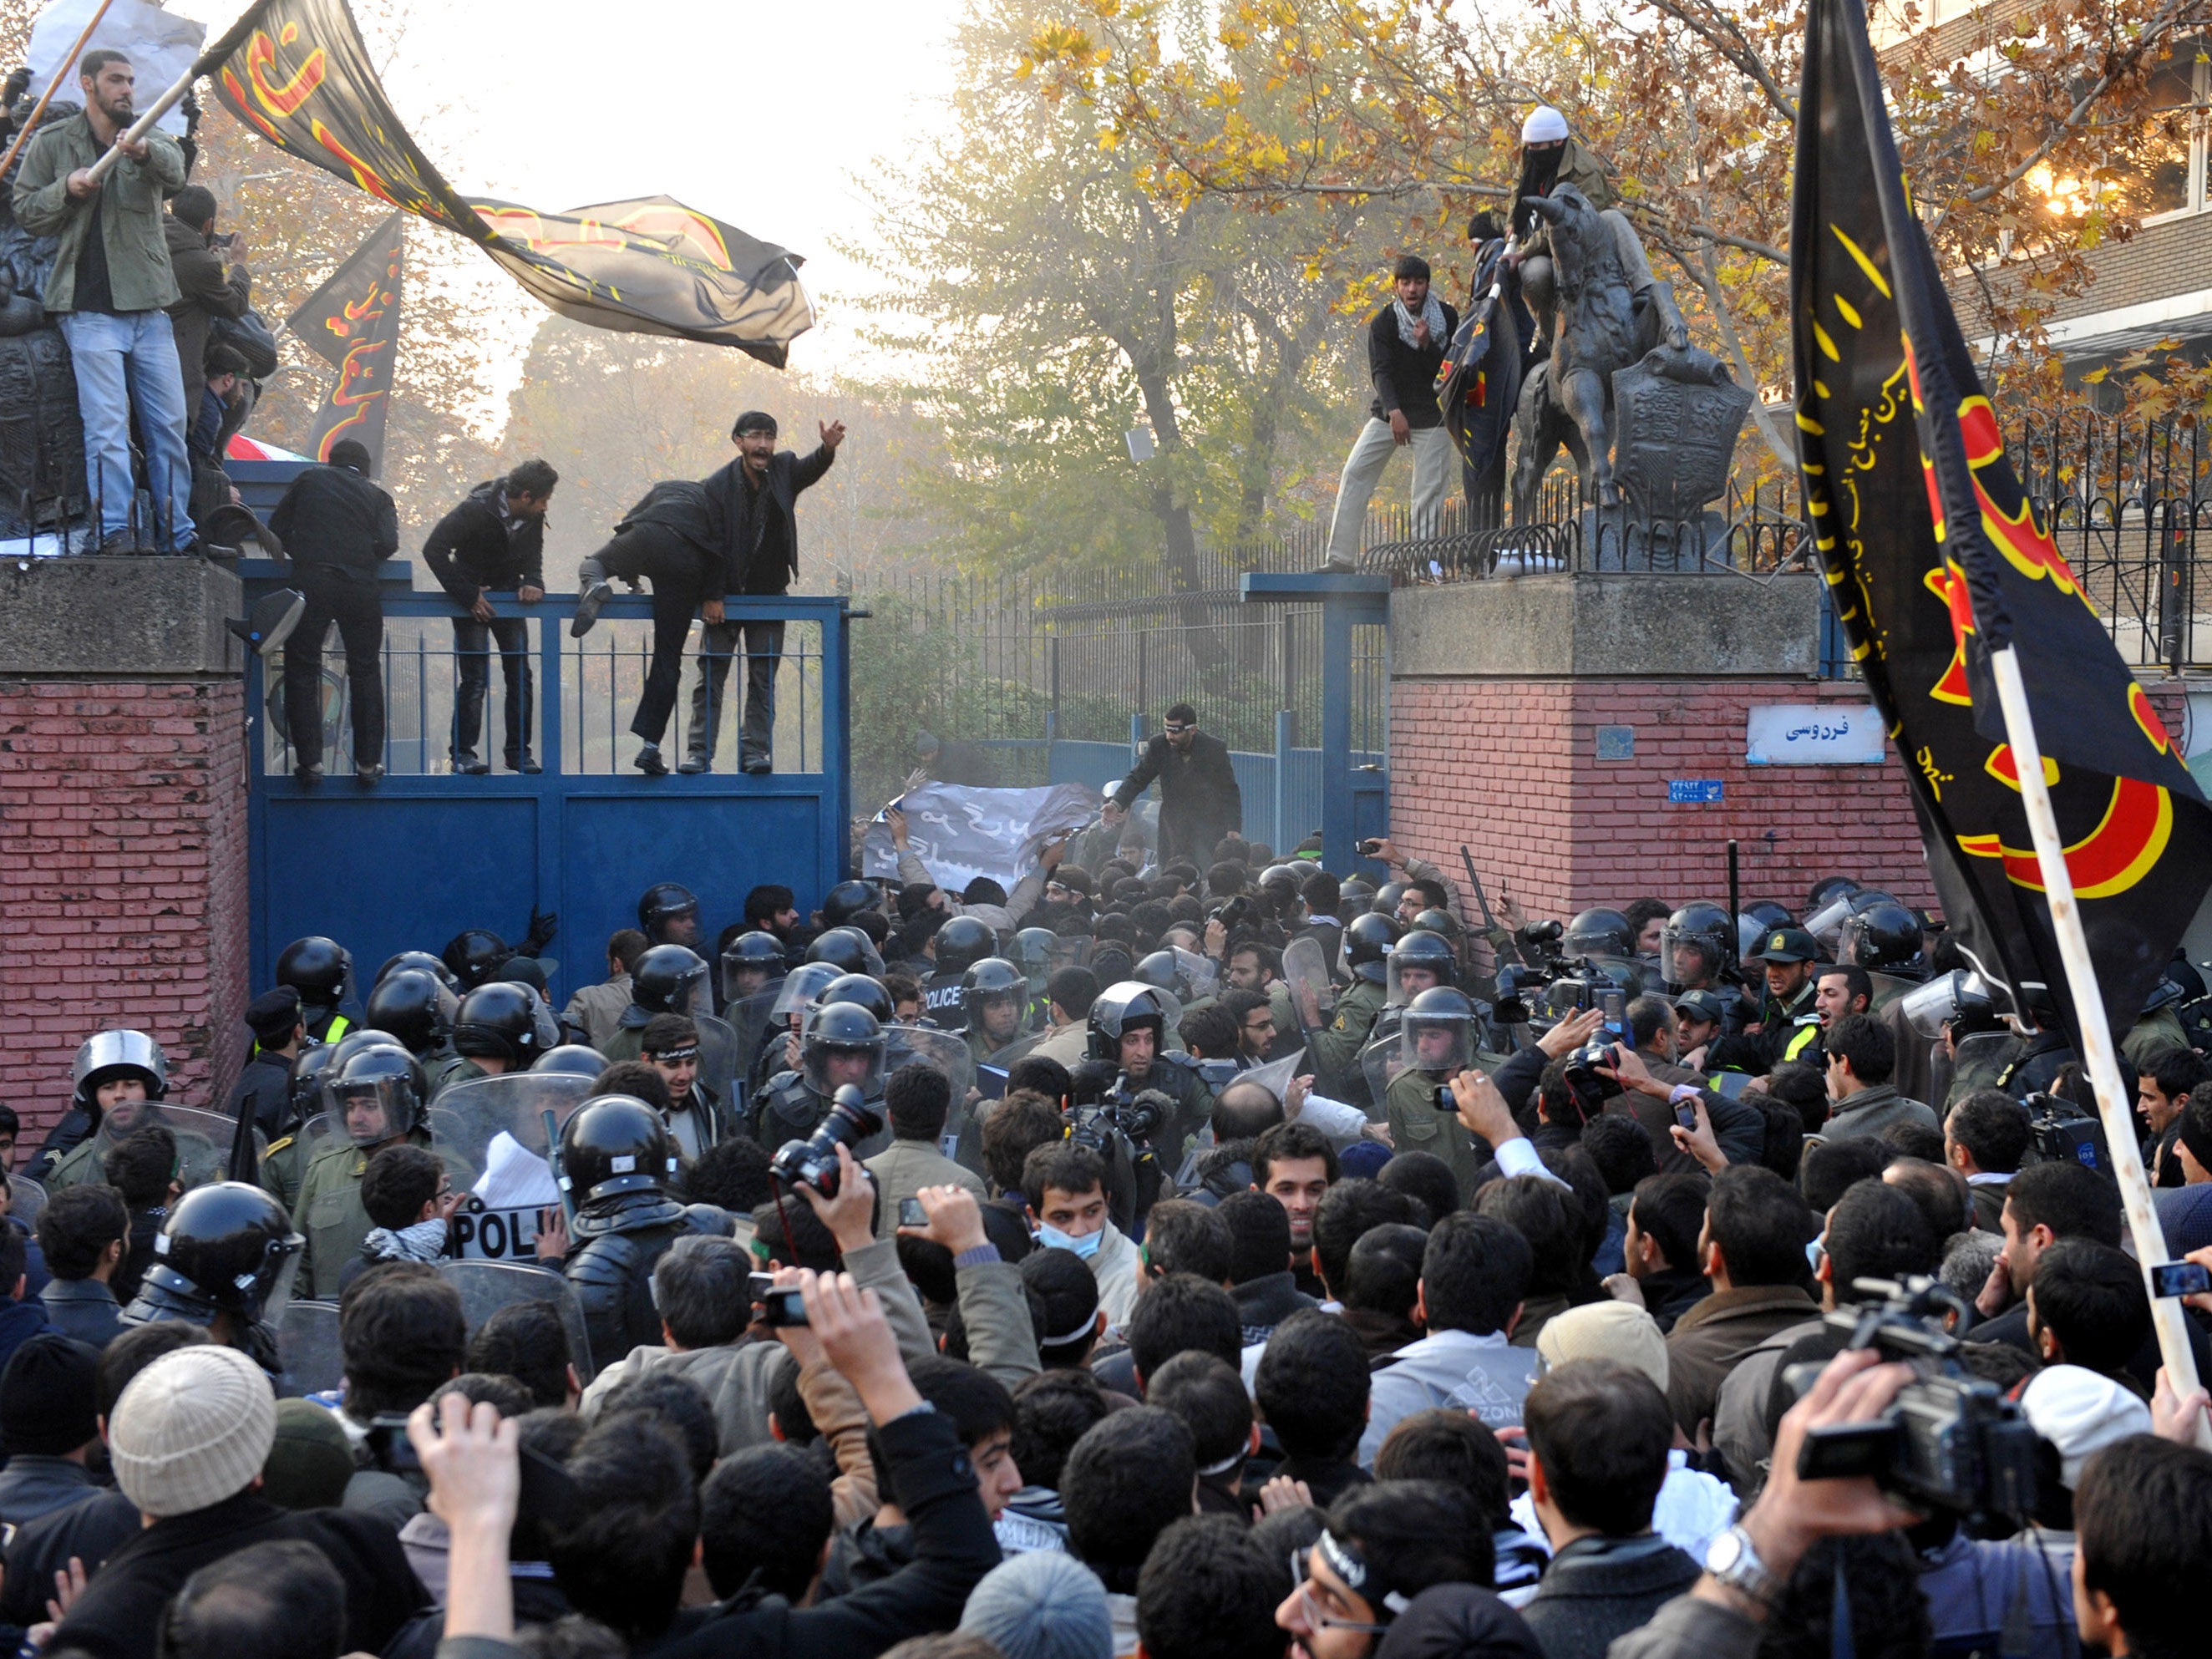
[
  {"x": 1815, "y": 734},
  {"x": 160, "y": 45},
  {"x": 962, "y": 831}
]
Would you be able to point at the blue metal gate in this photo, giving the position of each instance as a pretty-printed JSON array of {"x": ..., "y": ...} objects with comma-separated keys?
[{"x": 409, "y": 862}]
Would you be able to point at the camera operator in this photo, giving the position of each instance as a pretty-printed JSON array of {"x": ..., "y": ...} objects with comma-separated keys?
[{"x": 1129, "y": 1030}]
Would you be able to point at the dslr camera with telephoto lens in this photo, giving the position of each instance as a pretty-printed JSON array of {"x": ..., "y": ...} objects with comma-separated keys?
[{"x": 813, "y": 1162}]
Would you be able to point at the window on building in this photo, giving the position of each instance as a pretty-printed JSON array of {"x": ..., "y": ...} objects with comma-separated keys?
[{"x": 2170, "y": 174}]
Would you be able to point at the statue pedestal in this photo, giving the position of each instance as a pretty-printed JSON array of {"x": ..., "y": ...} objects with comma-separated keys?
[{"x": 122, "y": 821}]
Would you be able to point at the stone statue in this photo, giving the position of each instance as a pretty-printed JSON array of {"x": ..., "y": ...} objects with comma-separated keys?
[
  {"x": 41, "y": 437},
  {"x": 1613, "y": 328}
]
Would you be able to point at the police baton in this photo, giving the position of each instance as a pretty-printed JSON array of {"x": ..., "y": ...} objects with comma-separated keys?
[{"x": 1488, "y": 921}]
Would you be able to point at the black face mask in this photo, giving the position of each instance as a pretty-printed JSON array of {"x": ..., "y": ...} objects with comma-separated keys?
[{"x": 1539, "y": 171}]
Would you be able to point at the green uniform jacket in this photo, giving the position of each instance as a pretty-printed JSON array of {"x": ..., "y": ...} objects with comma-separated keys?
[
  {"x": 459, "y": 1069},
  {"x": 330, "y": 1215},
  {"x": 2151, "y": 1036},
  {"x": 1336, "y": 1050},
  {"x": 127, "y": 208},
  {"x": 626, "y": 1043},
  {"x": 1416, "y": 1126},
  {"x": 283, "y": 1170},
  {"x": 199, "y": 1160}
]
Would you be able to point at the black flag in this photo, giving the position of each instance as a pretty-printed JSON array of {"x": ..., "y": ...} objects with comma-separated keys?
[
  {"x": 302, "y": 79},
  {"x": 352, "y": 323},
  {"x": 1934, "y": 556}
]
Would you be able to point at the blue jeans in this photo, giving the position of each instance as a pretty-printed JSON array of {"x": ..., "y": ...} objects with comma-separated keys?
[{"x": 123, "y": 359}]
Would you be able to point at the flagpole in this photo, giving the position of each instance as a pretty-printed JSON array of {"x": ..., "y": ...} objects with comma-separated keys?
[
  {"x": 206, "y": 64},
  {"x": 2098, "y": 1059},
  {"x": 38, "y": 109}
]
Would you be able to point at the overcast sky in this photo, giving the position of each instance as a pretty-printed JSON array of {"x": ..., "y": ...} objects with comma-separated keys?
[{"x": 759, "y": 115}]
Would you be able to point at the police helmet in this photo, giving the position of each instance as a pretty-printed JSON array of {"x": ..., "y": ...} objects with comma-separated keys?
[
  {"x": 1599, "y": 932},
  {"x": 230, "y": 1244},
  {"x": 573, "y": 1060},
  {"x": 305, "y": 1083},
  {"x": 861, "y": 991},
  {"x": 1826, "y": 923},
  {"x": 664, "y": 903},
  {"x": 992, "y": 979},
  {"x": 414, "y": 1005},
  {"x": 847, "y": 900},
  {"x": 848, "y": 950},
  {"x": 1034, "y": 948},
  {"x": 962, "y": 942},
  {"x": 1769, "y": 915},
  {"x": 106, "y": 1056},
  {"x": 1128, "y": 1005},
  {"x": 499, "y": 1020},
  {"x": 1280, "y": 884},
  {"x": 1442, "y": 923},
  {"x": 755, "y": 953},
  {"x": 1354, "y": 899},
  {"x": 662, "y": 980},
  {"x": 1160, "y": 970},
  {"x": 1699, "y": 927},
  {"x": 841, "y": 1030},
  {"x": 615, "y": 1144},
  {"x": 1386, "y": 897},
  {"x": 427, "y": 962},
  {"x": 2183, "y": 972},
  {"x": 1827, "y": 891},
  {"x": 382, "y": 1072},
  {"x": 1367, "y": 941},
  {"x": 316, "y": 968},
  {"x": 1435, "y": 1034},
  {"x": 1885, "y": 938},
  {"x": 475, "y": 955},
  {"x": 1420, "y": 949}
]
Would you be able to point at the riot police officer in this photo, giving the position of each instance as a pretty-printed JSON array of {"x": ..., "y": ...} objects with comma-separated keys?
[
  {"x": 494, "y": 1030},
  {"x": 1335, "y": 1050},
  {"x": 377, "y": 1097},
  {"x": 960, "y": 945},
  {"x": 617, "y": 1160},
  {"x": 474, "y": 956},
  {"x": 433, "y": 965},
  {"x": 120, "y": 1077},
  {"x": 848, "y": 950},
  {"x": 284, "y": 1165},
  {"x": 994, "y": 1000},
  {"x": 1436, "y": 1043},
  {"x": 1600, "y": 931},
  {"x": 417, "y": 1009},
  {"x": 319, "y": 969},
  {"x": 1884, "y": 937},
  {"x": 225, "y": 1261},
  {"x": 842, "y": 1043},
  {"x": 669, "y": 914},
  {"x": 1697, "y": 947},
  {"x": 1127, "y": 1029},
  {"x": 666, "y": 981},
  {"x": 845, "y": 901},
  {"x": 753, "y": 963}
]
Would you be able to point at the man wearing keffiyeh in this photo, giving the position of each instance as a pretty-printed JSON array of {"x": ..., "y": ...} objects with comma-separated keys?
[{"x": 1406, "y": 342}]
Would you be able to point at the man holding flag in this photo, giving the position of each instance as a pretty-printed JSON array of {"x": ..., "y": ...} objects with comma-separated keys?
[{"x": 2068, "y": 841}]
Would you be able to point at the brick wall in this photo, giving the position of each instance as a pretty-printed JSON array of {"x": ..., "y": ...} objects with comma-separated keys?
[{"x": 123, "y": 879}]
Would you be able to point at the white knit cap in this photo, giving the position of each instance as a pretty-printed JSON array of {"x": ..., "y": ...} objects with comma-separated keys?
[
  {"x": 1544, "y": 125},
  {"x": 193, "y": 1428},
  {"x": 2081, "y": 1413},
  {"x": 1606, "y": 1330}
]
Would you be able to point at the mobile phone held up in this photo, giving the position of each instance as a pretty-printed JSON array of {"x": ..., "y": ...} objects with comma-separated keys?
[
  {"x": 2180, "y": 1278},
  {"x": 779, "y": 1308},
  {"x": 911, "y": 1214}
]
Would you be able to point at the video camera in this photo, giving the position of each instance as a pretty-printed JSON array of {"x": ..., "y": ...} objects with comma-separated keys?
[
  {"x": 813, "y": 1162},
  {"x": 2063, "y": 1132},
  {"x": 1950, "y": 1440},
  {"x": 1556, "y": 988},
  {"x": 1135, "y": 1114}
]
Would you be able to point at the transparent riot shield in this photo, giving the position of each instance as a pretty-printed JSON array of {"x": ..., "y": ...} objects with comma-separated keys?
[
  {"x": 719, "y": 1062},
  {"x": 1313, "y": 994},
  {"x": 1887, "y": 988},
  {"x": 1202, "y": 974},
  {"x": 942, "y": 1051},
  {"x": 488, "y": 1286},
  {"x": 204, "y": 1139},
  {"x": 313, "y": 1135},
  {"x": 1380, "y": 1062},
  {"x": 1982, "y": 1059},
  {"x": 26, "y": 1199},
  {"x": 307, "y": 1343},
  {"x": 491, "y": 1134},
  {"x": 1275, "y": 1076},
  {"x": 748, "y": 1018}
]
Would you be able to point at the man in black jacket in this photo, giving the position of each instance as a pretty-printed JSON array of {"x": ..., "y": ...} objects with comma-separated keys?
[
  {"x": 264, "y": 1090},
  {"x": 753, "y": 500},
  {"x": 1406, "y": 343},
  {"x": 671, "y": 539},
  {"x": 494, "y": 543},
  {"x": 1199, "y": 801},
  {"x": 337, "y": 528}
]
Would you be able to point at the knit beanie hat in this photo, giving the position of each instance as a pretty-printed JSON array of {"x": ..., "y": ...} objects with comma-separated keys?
[
  {"x": 1363, "y": 1160},
  {"x": 2080, "y": 1414},
  {"x": 1606, "y": 1330},
  {"x": 1042, "y": 1605},
  {"x": 193, "y": 1428},
  {"x": 46, "y": 1397},
  {"x": 311, "y": 1460}
]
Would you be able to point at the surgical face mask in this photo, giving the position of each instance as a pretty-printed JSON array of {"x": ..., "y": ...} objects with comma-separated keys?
[{"x": 1086, "y": 1246}]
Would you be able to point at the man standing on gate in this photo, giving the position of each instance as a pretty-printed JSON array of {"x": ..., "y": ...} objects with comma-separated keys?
[
  {"x": 337, "y": 528},
  {"x": 753, "y": 498},
  {"x": 1406, "y": 343},
  {"x": 494, "y": 543},
  {"x": 109, "y": 289},
  {"x": 1199, "y": 801}
]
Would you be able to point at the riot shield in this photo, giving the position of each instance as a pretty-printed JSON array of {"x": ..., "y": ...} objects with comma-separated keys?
[
  {"x": 491, "y": 1131},
  {"x": 1981, "y": 1060},
  {"x": 942, "y": 1051},
  {"x": 1313, "y": 994},
  {"x": 1071, "y": 951},
  {"x": 749, "y": 1018},
  {"x": 1202, "y": 974},
  {"x": 719, "y": 1066},
  {"x": 1380, "y": 1062},
  {"x": 488, "y": 1286},
  {"x": 26, "y": 1199},
  {"x": 307, "y": 1344},
  {"x": 204, "y": 1139},
  {"x": 1275, "y": 1076},
  {"x": 313, "y": 1135}
]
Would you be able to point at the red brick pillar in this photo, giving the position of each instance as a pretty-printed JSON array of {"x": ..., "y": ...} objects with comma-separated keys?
[{"x": 122, "y": 822}]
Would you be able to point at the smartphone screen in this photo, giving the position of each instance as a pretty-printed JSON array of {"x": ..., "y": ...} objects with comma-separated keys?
[
  {"x": 2180, "y": 1278},
  {"x": 911, "y": 1214},
  {"x": 1615, "y": 1003}
]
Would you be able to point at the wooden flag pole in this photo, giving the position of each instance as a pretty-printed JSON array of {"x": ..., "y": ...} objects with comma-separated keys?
[
  {"x": 207, "y": 62},
  {"x": 2100, "y": 1059},
  {"x": 38, "y": 109}
]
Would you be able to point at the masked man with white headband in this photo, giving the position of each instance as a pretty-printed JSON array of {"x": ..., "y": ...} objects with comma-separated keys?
[{"x": 1406, "y": 343}]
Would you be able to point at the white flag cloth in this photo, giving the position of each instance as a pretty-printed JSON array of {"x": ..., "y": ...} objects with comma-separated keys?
[
  {"x": 159, "y": 45},
  {"x": 962, "y": 831}
]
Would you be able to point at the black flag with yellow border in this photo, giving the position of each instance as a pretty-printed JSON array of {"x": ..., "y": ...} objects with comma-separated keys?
[
  {"x": 1935, "y": 557},
  {"x": 301, "y": 78}
]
